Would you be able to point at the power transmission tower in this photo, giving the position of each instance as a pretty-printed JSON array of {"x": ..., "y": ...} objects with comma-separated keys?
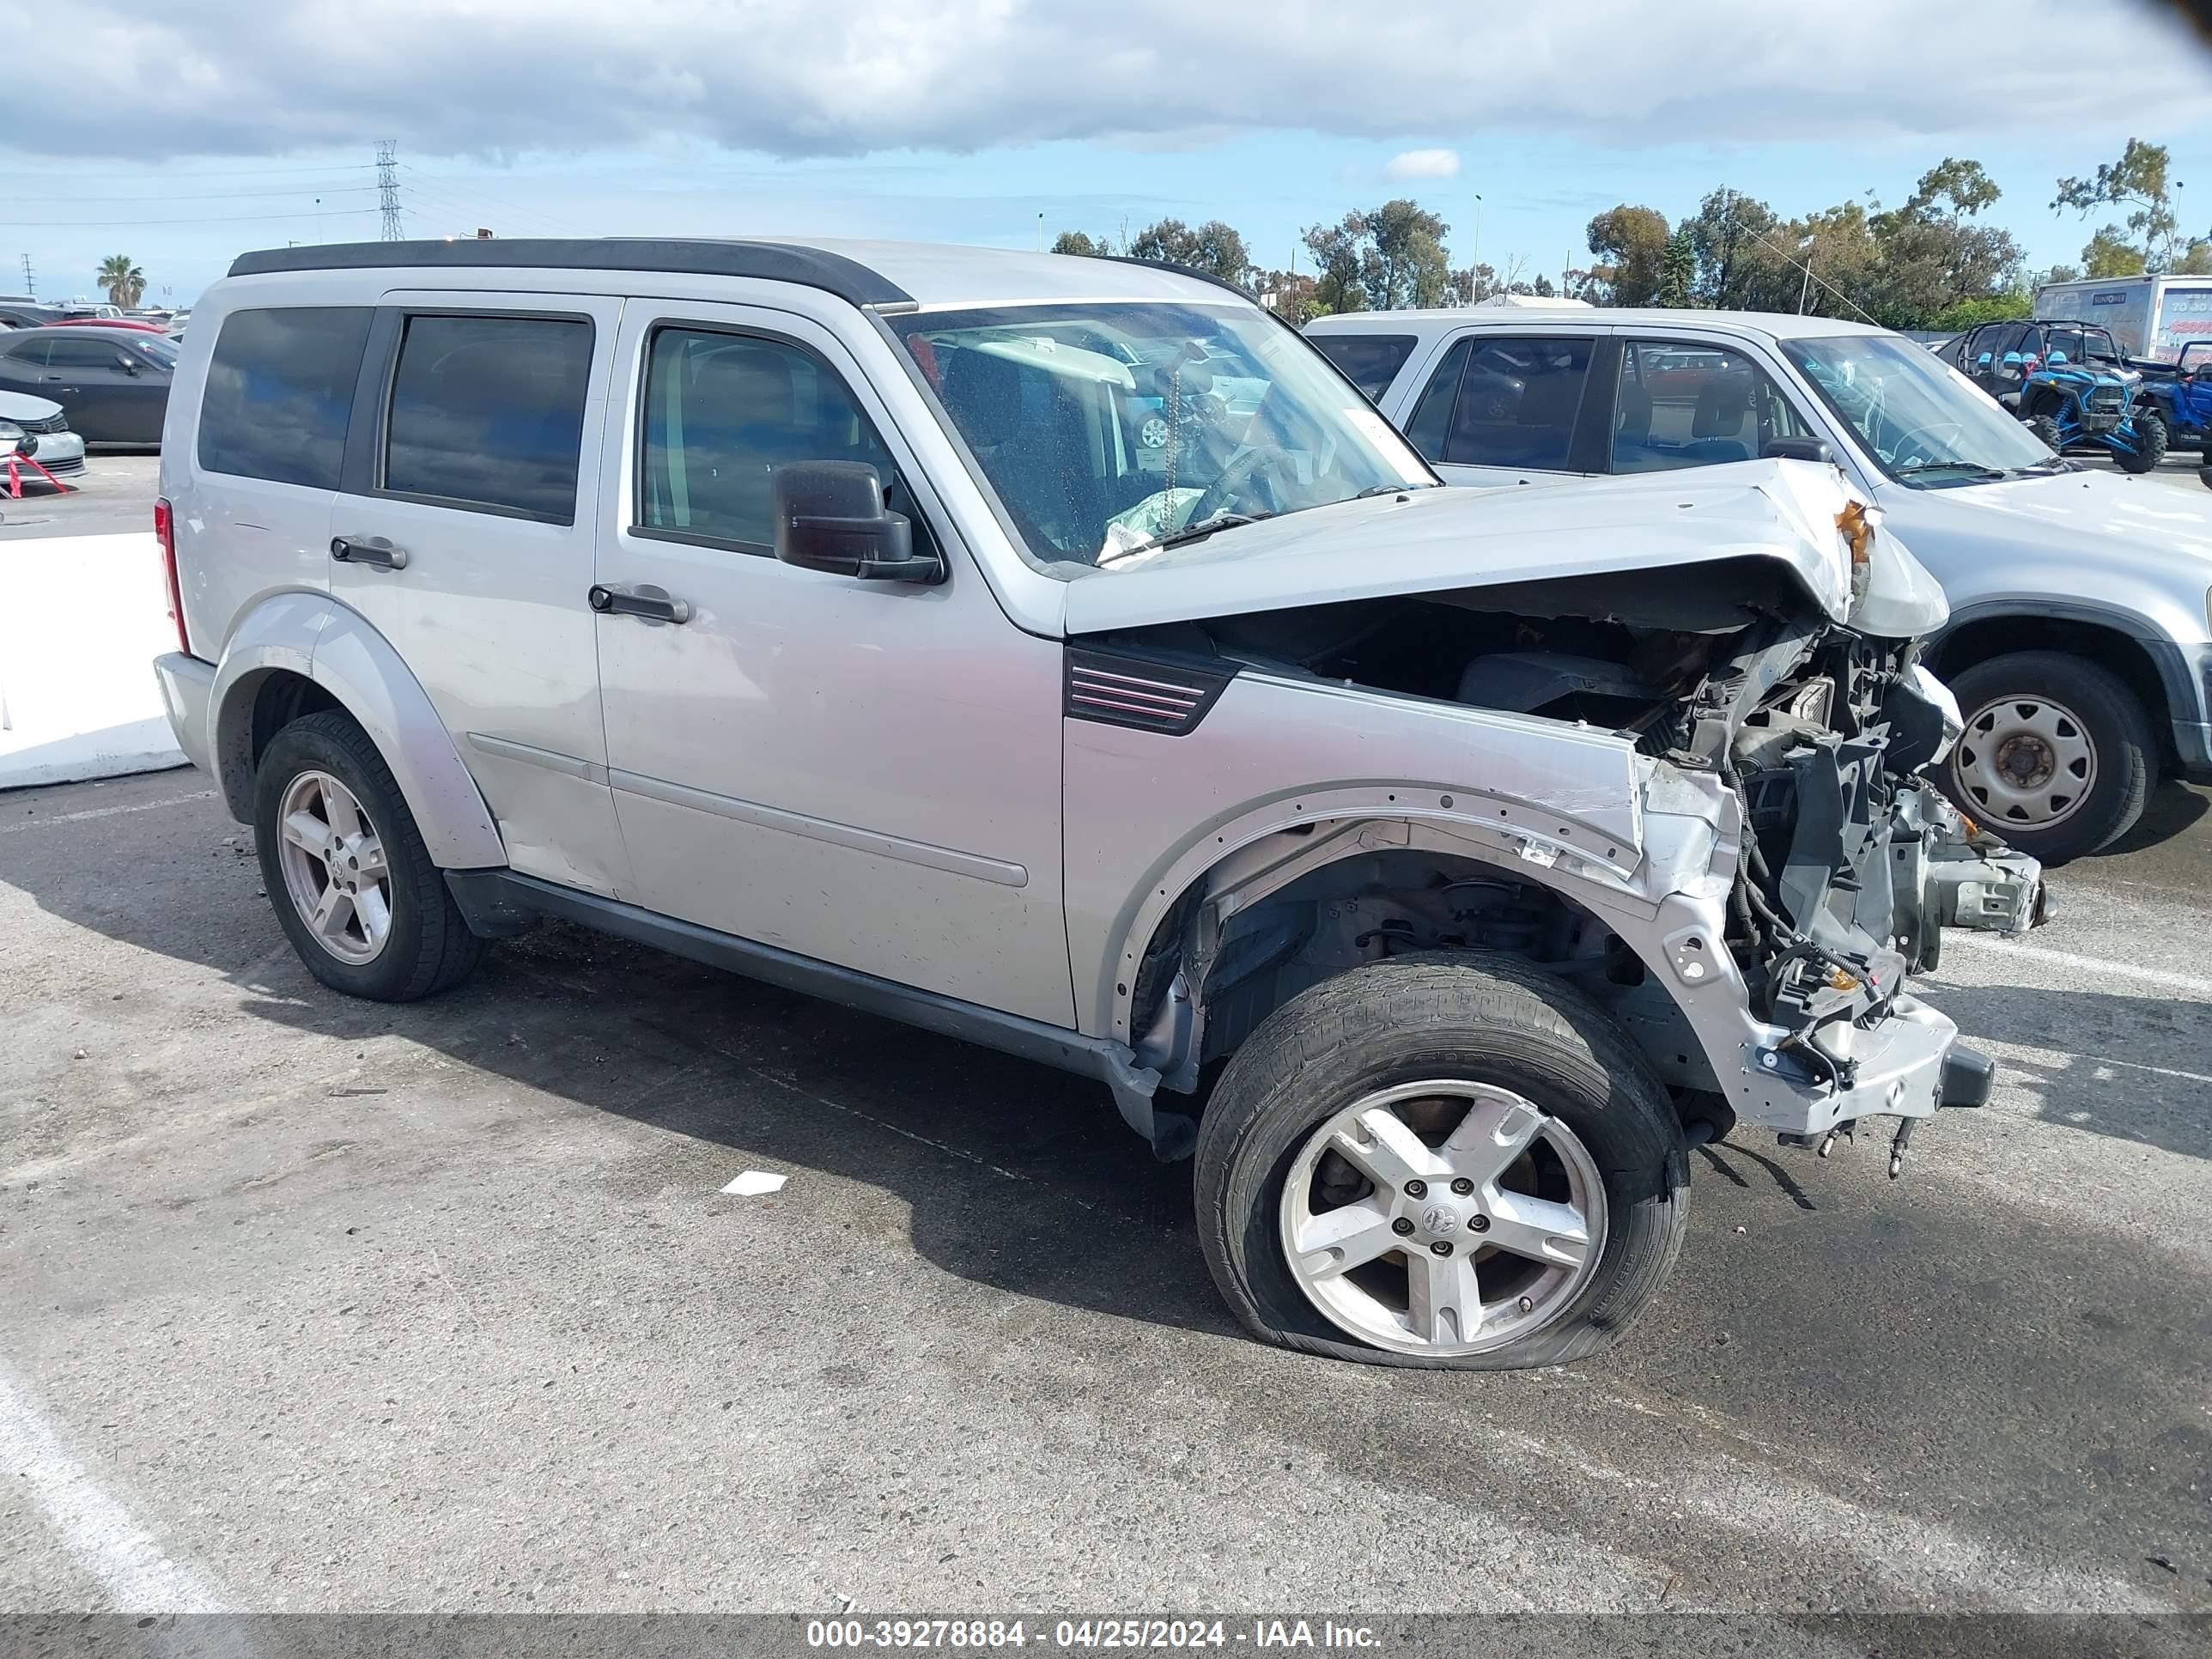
[
  {"x": 388, "y": 188},
  {"x": 29, "y": 287}
]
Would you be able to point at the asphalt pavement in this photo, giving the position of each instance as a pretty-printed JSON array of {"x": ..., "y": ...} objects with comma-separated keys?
[
  {"x": 114, "y": 493},
  {"x": 320, "y": 1304}
]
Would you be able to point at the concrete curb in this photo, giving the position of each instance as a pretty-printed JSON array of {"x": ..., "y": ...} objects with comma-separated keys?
[{"x": 82, "y": 619}]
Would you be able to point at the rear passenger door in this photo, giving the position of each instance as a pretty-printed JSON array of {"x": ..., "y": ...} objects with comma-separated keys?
[
  {"x": 464, "y": 534},
  {"x": 1514, "y": 408}
]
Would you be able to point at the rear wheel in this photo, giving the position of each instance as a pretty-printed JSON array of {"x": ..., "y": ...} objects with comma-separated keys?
[
  {"x": 2151, "y": 440},
  {"x": 2056, "y": 753},
  {"x": 343, "y": 862},
  {"x": 1449, "y": 1160}
]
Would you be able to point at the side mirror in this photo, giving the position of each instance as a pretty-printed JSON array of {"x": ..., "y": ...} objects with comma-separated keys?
[
  {"x": 127, "y": 363},
  {"x": 830, "y": 516},
  {"x": 1797, "y": 449}
]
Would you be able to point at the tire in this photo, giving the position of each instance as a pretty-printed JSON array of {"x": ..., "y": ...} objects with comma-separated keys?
[
  {"x": 2151, "y": 440},
  {"x": 1488, "y": 1022},
  {"x": 2204, "y": 475},
  {"x": 2004, "y": 693},
  {"x": 2045, "y": 426},
  {"x": 426, "y": 947}
]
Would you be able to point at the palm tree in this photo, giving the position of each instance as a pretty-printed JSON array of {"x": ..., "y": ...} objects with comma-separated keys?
[{"x": 125, "y": 283}]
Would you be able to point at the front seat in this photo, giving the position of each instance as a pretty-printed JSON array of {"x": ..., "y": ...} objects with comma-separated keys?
[
  {"x": 1717, "y": 427},
  {"x": 1632, "y": 430}
]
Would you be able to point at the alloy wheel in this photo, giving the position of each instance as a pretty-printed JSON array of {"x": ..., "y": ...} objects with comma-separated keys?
[
  {"x": 1443, "y": 1218},
  {"x": 336, "y": 872}
]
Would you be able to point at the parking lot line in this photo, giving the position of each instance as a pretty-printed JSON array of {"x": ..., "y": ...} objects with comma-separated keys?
[
  {"x": 97, "y": 1531},
  {"x": 1981, "y": 944},
  {"x": 22, "y": 824}
]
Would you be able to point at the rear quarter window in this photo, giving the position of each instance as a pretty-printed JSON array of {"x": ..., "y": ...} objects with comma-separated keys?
[
  {"x": 279, "y": 392},
  {"x": 1369, "y": 361}
]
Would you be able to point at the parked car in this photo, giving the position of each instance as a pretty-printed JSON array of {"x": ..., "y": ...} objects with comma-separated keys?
[
  {"x": 2151, "y": 318},
  {"x": 139, "y": 324},
  {"x": 38, "y": 427},
  {"x": 2077, "y": 642},
  {"x": 2067, "y": 381},
  {"x": 14, "y": 316},
  {"x": 831, "y": 625},
  {"x": 114, "y": 382}
]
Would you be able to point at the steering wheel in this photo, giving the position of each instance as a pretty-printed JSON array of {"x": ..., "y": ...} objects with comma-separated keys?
[
  {"x": 1901, "y": 452},
  {"x": 1255, "y": 469}
]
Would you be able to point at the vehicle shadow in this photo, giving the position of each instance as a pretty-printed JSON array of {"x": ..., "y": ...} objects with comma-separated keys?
[{"x": 2172, "y": 808}]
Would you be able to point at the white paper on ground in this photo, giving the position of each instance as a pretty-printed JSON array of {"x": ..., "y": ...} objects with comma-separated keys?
[{"x": 753, "y": 1182}]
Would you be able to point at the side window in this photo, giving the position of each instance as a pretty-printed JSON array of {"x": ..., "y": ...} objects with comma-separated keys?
[
  {"x": 1432, "y": 414},
  {"x": 84, "y": 354},
  {"x": 722, "y": 412},
  {"x": 1369, "y": 361},
  {"x": 1997, "y": 341},
  {"x": 31, "y": 351},
  {"x": 279, "y": 390},
  {"x": 1517, "y": 403},
  {"x": 488, "y": 411},
  {"x": 1684, "y": 404}
]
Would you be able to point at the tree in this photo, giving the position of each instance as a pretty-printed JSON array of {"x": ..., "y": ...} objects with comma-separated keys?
[
  {"x": 1213, "y": 247},
  {"x": 1678, "y": 271},
  {"x": 1074, "y": 241},
  {"x": 1630, "y": 245},
  {"x": 2110, "y": 254},
  {"x": 2138, "y": 180},
  {"x": 1384, "y": 260},
  {"x": 1964, "y": 184},
  {"x": 2194, "y": 261},
  {"x": 125, "y": 283}
]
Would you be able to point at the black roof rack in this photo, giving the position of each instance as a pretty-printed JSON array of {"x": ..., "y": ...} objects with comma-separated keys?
[{"x": 780, "y": 262}]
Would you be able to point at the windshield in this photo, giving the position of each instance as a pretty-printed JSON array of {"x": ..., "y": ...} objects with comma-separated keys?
[
  {"x": 160, "y": 350},
  {"x": 1922, "y": 422},
  {"x": 1109, "y": 429}
]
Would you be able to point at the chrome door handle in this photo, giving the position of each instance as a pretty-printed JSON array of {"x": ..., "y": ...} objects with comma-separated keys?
[
  {"x": 369, "y": 550},
  {"x": 654, "y": 605}
]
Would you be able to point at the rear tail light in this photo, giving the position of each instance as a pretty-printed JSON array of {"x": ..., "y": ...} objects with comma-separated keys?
[{"x": 165, "y": 531}]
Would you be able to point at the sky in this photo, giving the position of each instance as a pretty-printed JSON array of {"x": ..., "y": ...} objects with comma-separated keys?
[{"x": 184, "y": 135}]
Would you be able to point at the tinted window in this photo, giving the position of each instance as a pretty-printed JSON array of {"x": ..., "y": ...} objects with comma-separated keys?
[
  {"x": 1433, "y": 413},
  {"x": 279, "y": 389},
  {"x": 722, "y": 413},
  {"x": 489, "y": 411},
  {"x": 156, "y": 350},
  {"x": 31, "y": 349},
  {"x": 84, "y": 354},
  {"x": 1517, "y": 403},
  {"x": 1369, "y": 361},
  {"x": 1694, "y": 405}
]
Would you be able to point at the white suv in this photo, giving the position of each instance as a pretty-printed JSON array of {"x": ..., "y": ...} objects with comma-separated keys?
[
  {"x": 1060, "y": 653},
  {"x": 2079, "y": 643}
]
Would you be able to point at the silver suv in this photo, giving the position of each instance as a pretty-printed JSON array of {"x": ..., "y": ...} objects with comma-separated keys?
[{"x": 1060, "y": 653}]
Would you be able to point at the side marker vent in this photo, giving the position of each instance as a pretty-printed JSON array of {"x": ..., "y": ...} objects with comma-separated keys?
[{"x": 1134, "y": 691}]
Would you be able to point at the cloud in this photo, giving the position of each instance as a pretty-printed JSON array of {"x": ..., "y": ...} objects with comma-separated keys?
[
  {"x": 846, "y": 77},
  {"x": 1422, "y": 164}
]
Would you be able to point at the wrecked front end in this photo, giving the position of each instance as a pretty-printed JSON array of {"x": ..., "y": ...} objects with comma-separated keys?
[{"x": 1792, "y": 865}]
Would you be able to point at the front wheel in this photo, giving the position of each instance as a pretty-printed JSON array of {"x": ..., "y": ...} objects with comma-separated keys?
[
  {"x": 345, "y": 864},
  {"x": 1451, "y": 1160},
  {"x": 2045, "y": 426},
  {"x": 2150, "y": 443},
  {"x": 2056, "y": 753}
]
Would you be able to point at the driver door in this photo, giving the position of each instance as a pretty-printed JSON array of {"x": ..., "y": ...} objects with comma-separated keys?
[{"x": 864, "y": 772}]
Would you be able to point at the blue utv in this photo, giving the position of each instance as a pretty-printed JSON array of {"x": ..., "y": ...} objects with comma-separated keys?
[
  {"x": 2069, "y": 382},
  {"x": 2181, "y": 392}
]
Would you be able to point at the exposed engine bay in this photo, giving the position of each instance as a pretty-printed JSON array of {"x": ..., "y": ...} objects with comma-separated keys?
[{"x": 1850, "y": 862}]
